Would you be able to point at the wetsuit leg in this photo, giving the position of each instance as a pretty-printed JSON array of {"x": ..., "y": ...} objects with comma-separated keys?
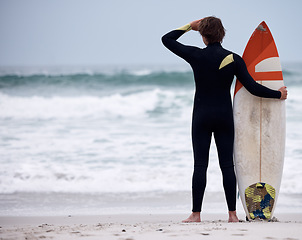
[
  {"x": 201, "y": 139},
  {"x": 224, "y": 139}
]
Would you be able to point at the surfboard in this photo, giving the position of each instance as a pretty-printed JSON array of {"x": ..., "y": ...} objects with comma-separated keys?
[{"x": 259, "y": 129}]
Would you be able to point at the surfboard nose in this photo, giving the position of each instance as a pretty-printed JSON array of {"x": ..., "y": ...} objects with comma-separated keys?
[{"x": 262, "y": 27}]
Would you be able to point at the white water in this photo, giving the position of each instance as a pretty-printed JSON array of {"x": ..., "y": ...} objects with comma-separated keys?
[{"x": 114, "y": 142}]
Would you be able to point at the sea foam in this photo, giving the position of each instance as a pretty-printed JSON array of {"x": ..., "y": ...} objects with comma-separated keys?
[{"x": 113, "y": 132}]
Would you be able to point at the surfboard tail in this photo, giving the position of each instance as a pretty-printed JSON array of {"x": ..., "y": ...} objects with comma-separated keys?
[{"x": 260, "y": 200}]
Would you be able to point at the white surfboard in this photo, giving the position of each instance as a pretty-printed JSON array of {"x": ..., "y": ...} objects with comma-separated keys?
[{"x": 259, "y": 129}]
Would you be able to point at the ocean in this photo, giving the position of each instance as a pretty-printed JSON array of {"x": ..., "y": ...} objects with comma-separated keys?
[{"x": 97, "y": 140}]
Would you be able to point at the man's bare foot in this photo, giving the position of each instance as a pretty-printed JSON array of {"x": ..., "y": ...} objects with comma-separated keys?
[
  {"x": 194, "y": 217},
  {"x": 233, "y": 216}
]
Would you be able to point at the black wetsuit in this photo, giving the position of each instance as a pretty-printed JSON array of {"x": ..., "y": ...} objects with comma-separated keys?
[{"x": 212, "y": 112}]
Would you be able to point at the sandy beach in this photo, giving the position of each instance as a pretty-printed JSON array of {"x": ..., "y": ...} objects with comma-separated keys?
[
  {"x": 147, "y": 226},
  {"x": 96, "y": 120}
]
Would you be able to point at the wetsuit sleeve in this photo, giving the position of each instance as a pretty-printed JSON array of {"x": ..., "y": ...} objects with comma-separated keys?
[
  {"x": 170, "y": 41},
  {"x": 250, "y": 84}
]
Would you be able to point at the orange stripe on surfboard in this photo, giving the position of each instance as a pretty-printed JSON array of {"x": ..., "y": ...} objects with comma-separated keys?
[{"x": 268, "y": 76}]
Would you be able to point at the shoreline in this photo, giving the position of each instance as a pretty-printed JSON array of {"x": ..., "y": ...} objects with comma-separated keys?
[
  {"x": 146, "y": 226},
  {"x": 74, "y": 204},
  {"x": 133, "y": 218}
]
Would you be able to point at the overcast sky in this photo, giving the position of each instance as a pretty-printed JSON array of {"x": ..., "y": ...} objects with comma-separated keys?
[{"x": 98, "y": 32}]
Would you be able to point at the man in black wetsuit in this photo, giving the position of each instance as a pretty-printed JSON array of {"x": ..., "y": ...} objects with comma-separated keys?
[{"x": 214, "y": 69}]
